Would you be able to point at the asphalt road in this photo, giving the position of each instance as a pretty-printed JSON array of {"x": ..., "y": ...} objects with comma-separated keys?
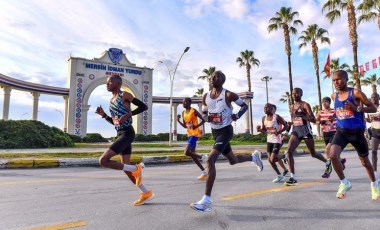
[{"x": 96, "y": 198}]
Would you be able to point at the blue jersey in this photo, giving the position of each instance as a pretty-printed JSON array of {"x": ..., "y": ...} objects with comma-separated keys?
[
  {"x": 348, "y": 119},
  {"x": 118, "y": 109}
]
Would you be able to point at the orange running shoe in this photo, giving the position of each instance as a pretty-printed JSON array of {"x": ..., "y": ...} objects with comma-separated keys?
[
  {"x": 144, "y": 197},
  {"x": 138, "y": 173},
  {"x": 203, "y": 176}
]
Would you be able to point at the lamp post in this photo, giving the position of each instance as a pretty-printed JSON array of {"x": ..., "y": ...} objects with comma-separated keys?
[
  {"x": 266, "y": 79},
  {"x": 22, "y": 115},
  {"x": 62, "y": 117},
  {"x": 171, "y": 94}
]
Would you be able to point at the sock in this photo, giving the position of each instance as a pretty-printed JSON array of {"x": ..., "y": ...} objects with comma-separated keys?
[
  {"x": 376, "y": 175},
  {"x": 344, "y": 181},
  {"x": 143, "y": 188},
  {"x": 328, "y": 162},
  {"x": 130, "y": 168},
  {"x": 204, "y": 172},
  {"x": 291, "y": 175},
  {"x": 206, "y": 198}
]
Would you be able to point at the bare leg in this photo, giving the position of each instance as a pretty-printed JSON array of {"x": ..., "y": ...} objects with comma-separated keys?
[
  {"x": 292, "y": 145},
  {"x": 368, "y": 166},
  {"x": 211, "y": 171},
  {"x": 310, "y": 145},
  {"x": 190, "y": 151},
  {"x": 375, "y": 145},
  {"x": 105, "y": 160},
  {"x": 126, "y": 159},
  {"x": 272, "y": 161},
  {"x": 335, "y": 152}
]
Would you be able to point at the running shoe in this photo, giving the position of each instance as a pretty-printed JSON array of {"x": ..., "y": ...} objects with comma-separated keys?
[
  {"x": 138, "y": 173},
  {"x": 327, "y": 171},
  {"x": 278, "y": 179},
  {"x": 343, "y": 188},
  {"x": 343, "y": 161},
  {"x": 286, "y": 171},
  {"x": 256, "y": 159},
  {"x": 144, "y": 197},
  {"x": 204, "y": 159},
  {"x": 203, "y": 176},
  {"x": 202, "y": 206},
  {"x": 291, "y": 182},
  {"x": 375, "y": 191}
]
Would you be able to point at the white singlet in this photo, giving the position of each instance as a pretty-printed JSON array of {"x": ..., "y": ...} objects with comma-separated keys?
[{"x": 218, "y": 110}]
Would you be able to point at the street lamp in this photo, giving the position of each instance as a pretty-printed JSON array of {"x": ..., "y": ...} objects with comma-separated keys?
[
  {"x": 62, "y": 117},
  {"x": 22, "y": 115},
  {"x": 266, "y": 79},
  {"x": 171, "y": 93}
]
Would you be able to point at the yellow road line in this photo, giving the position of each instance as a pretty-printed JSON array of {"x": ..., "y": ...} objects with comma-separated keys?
[
  {"x": 75, "y": 224},
  {"x": 273, "y": 190}
]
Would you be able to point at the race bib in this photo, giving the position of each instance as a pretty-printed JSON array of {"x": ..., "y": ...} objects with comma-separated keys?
[
  {"x": 343, "y": 114},
  {"x": 116, "y": 121},
  {"x": 189, "y": 125},
  {"x": 216, "y": 118},
  {"x": 271, "y": 130},
  {"x": 297, "y": 121}
]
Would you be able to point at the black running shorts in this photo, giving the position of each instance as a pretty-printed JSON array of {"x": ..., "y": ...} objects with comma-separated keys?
[
  {"x": 273, "y": 147},
  {"x": 355, "y": 137},
  {"x": 328, "y": 136},
  {"x": 222, "y": 139},
  {"x": 123, "y": 143}
]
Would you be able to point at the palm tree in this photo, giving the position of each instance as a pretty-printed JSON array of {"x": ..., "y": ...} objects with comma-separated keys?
[
  {"x": 334, "y": 7},
  {"x": 312, "y": 35},
  {"x": 199, "y": 92},
  {"x": 247, "y": 59},
  {"x": 370, "y": 11},
  {"x": 285, "y": 19},
  {"x": 372, "y": 80},
  {"x": 286, "y": 98},
  {"x": 335, "y": 66},
  {"x": 207, "y": 75}
]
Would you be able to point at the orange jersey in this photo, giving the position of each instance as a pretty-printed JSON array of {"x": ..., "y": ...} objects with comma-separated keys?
[{"x": 191, "y": 120}]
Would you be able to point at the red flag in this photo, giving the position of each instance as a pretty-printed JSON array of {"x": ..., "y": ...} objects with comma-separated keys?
[
  {"x": 374, "y": 64},
  {"x": 367, "y": 66},
  {"x": 361, "y": 68},
  {"x": 327, "y": 66}
]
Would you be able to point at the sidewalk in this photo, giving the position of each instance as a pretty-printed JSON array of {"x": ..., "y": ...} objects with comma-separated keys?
[{"x": 94, "y": 162}]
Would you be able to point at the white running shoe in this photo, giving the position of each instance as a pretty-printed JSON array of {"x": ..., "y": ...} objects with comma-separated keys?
[
  {"x": 278, "y": 179},
  {"x": 256, "y": 159},
  {"x": 204, "y": 159},
  {"x": 202, "y": 206}
]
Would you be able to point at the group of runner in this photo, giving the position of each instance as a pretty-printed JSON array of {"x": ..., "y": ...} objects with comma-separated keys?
[{"x": 343, "y": 124}]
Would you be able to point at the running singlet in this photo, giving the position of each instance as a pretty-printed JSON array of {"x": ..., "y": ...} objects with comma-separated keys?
[
  {"x": 117, "y": 109},
  {"x": 375, "y": 119},
  {"x": 348, "y": 119},
  {"x": 326, "y": 124},
  {"x": 272, "y": 126},
  {"x": 300, "y": 125},
  {"x": 218, "y": 110},
  {"x": 191, "y": 120}
]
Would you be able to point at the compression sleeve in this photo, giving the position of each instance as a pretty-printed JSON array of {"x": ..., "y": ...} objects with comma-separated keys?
[
  {"x": 205, "y": 112},
  {"x": 141, "y": 107},
  {"x": 243, "y": 107}
]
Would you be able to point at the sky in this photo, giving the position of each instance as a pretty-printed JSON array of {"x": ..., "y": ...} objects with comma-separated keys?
[{"x": 37, "y": 37}]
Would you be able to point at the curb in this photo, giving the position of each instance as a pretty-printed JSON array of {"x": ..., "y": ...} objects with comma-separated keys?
[{"x": 94, "y": 162}]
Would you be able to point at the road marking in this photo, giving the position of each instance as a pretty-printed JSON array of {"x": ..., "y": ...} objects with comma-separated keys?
[
  {"x": 273, "y": 190},
  {"x": 75, "y": 224}
]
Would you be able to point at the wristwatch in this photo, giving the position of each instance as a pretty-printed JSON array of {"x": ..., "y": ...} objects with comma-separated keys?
[{"x": 358, "y": 109}]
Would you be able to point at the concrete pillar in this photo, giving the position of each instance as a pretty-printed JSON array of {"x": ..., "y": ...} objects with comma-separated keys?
[
  {"x": 174, "y": 121},
  {"x": 36, "y": 97},
  {"x": 66, "y": 113},
  {"x": 6, "y": 99},
  {"x": 85, "y": 109},
  {"x": 246, "y": 117}
]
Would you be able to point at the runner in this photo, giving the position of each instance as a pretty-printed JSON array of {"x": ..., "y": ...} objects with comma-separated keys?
[
  {"x": 350, "y": 129},
  {"x": 301, "y": 115},
  {"x": 374, "y": 119},
  {"x": 273, "y": 125},
  {"x": 190, "y": 123},
  {"x": 327, "y": 119},
  {"x": 121, "y": 118},
  {"x": 284, "y": 137},
  {"x": 217, "y": 109}
]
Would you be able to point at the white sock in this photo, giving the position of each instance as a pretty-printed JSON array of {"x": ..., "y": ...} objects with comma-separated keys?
[
  {"x": 292, "y": 175},
  {"x": 204, "y": 172},
  {"x": 130, "y": 168},
  {"x": 143, "y": 188},
  {"x": 206, "y": 198},
  {"x": 344, "y": 181},
  {"x": 328, "y": 162}
]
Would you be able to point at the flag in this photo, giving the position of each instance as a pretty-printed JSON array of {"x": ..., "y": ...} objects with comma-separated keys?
[
  {"x": 326, "y": 69},
  {"x": 367, "y": 66},
  {"x": 374, "y": 64},
  {"x": 361, "y": 68}
]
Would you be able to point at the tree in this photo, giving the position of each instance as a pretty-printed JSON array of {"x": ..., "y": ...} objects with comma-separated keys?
[
  {"x": 370, "y": 11},
  {"x": 372, "y": 80},
  {"x": 312, "y": 35},
  {"x": 286, "y": 98},
  {"x": 247, "y": 59},
  {"x": 286, "y": 19},
  {"x": 207, "y": 75},
  {"x": 199, "y": 92},
  {"x": 333, "y": 7},
  {"x": 335, "y": 66}
]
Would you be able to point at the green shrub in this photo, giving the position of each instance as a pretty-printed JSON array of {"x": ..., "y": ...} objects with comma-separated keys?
[
  {"x": 94, "y": 137},
  {"x": 31, "y": 134}
]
